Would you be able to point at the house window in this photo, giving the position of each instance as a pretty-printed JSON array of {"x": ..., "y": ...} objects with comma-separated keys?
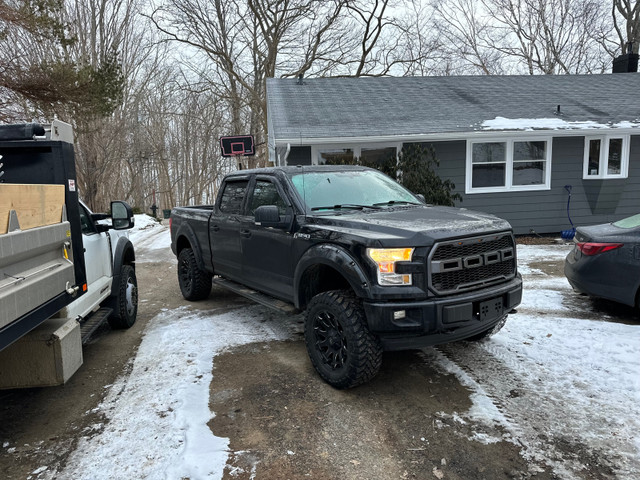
[
  {"x": 347, "y": 154},
  {"x": 504, "y": 165},
  {"x": 377, "y": 156},
  {"x": 489, "y": 165},
  {"x": 335, "y": 156},
  {"x": 529, "y": 161},
  {"x": 606, "y": 157}
]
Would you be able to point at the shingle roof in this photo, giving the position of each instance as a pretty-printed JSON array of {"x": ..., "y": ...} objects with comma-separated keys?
[{"x": 363, "y": 107}]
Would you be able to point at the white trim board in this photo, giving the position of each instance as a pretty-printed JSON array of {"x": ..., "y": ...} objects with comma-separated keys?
[{"x": 443, "y": 137}]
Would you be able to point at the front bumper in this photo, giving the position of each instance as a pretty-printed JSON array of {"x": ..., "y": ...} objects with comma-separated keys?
[{"x": 442, "y": 319}]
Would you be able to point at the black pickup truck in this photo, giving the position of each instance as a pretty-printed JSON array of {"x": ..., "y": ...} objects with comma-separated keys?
[{"x": 374, "y": 267}]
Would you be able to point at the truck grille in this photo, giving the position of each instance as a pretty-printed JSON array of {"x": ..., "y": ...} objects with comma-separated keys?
[{"x": 471, "y": 263}]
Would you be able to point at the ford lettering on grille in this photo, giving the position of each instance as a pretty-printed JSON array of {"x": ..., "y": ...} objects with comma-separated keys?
[{"x": 474, "y": 261}]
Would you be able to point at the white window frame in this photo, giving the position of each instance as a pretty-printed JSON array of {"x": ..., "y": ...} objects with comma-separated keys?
[
  {"x": 356, "y": 148},
  {"x": 605, "y": 141},
  {"x": 509, "y": 163}
]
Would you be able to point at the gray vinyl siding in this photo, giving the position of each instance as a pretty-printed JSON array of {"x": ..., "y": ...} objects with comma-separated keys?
[{"x": 592, "y": 201}]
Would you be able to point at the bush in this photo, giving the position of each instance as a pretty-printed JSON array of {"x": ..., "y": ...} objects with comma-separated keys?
[{"x": 416, "y": 172}]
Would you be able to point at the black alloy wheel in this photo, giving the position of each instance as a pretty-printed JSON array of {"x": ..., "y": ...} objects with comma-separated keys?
[
  {"x": 330, "y": 340},
  {"x": 341, "y": 348}
]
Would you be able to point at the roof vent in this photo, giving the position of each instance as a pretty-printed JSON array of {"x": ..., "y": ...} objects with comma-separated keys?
[
  {"x": 626, "y": 63},
  {"x": 300, "y": 77}
]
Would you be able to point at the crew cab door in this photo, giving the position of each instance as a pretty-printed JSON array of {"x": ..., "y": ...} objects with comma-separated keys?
[
  {"x": 267, "y": 263},
  {"x": 98, "y": 265},
  {"x": 224, "y": 229}
]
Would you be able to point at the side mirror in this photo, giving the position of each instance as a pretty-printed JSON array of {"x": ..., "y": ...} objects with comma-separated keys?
[
  {"x": 421, "y": 197},
  {"x": 268, "y": 216},
  {"x": 121, "y": 215}
]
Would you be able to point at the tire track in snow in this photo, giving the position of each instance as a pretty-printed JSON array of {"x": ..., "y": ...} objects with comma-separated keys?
[
  {"x": 152, "y": 244},
  {"x": 537, "y": 413}
]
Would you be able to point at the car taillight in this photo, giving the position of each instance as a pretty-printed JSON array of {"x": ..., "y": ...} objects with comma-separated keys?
[
  {"x": 589, "y": 248},
  {"x": 170, "y": 224}
]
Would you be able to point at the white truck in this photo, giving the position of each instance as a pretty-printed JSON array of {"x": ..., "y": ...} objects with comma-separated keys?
[{"x": 63, "y": 269}]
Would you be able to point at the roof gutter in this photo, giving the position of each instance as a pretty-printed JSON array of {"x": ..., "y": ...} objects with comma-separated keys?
[{"x": 426, "y": 137}]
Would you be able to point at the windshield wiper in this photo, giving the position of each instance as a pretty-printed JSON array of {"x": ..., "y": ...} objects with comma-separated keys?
[
  {"x": 397, "y": 202},
  {"x": 349, "y": 206}
]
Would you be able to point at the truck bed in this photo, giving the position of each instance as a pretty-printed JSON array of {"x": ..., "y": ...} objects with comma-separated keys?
[
  {"x": 35, "y": 267},
  {"x": 195, "y": 220},
  {"x": 41, "y": 249}
]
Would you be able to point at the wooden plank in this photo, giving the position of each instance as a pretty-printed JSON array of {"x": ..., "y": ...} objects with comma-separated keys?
[{"x": 35, "y": 205}]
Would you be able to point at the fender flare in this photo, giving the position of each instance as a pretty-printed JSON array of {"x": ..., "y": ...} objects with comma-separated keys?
[
  {"x": 187, "y": 232},
  {"x": 124, "y": 250},
  {"x": 337, "y": 258}
]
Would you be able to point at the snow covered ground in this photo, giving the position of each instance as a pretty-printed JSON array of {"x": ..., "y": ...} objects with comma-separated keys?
[
  {"x": 152, "y": 240},
  {"x": 550, "y": 375},
  {"x": 551, "y": 371}
]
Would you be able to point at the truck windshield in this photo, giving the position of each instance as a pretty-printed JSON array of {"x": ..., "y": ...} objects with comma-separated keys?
[{"x": 349, "y": 190}]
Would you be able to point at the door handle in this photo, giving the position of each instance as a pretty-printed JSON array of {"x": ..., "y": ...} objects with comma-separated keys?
[
  {"x": 215, "y": 228},
  {"x": 245, "y": 233}
]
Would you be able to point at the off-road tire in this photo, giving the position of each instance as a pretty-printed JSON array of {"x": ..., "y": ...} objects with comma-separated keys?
[
  {"x": 490, "y": 332},
  {"x": 341, "y": 348},
  {"x": 195, "y": 284},
  {"x": 125, "y": 304}
]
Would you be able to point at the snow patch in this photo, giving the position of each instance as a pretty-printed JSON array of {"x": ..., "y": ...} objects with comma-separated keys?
[
  {"x": 157, "y": 417},
  {"x": 551, "y": 377},
  {"x": 529, "y": 124},
  {"x": 151, "y": 240}
]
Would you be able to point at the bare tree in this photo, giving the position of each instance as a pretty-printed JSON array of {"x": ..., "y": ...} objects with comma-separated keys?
[
  {"x": 466, "y": 31},
  {"x": 524, "y": 36},
  {"x": 547, "y": 36},
  {"x": 370, "y": 58},
  {"x": 246, "y": 42},
  {"x": 626, "y": 21}
]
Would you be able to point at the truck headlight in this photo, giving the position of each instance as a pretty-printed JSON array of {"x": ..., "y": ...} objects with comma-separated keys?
[{"x": 385, "y": 259}]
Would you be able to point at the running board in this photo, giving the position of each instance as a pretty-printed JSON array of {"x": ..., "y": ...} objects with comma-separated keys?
[
  {"x": 91, "y": 324},
  {"x": 255, "y": 296}
]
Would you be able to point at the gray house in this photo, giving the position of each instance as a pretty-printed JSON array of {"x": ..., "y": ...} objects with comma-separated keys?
[{"x": 513, "y": 145}]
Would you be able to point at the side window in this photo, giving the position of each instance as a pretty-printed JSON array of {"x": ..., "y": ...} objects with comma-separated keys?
[
  {"x": 508, "y": 165},
  {"x": 606, "y": 157},
  {"x": 88, "y": 227},
  {"x": 266, "y": 193},
  {"x": 232, "y": 195}
]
